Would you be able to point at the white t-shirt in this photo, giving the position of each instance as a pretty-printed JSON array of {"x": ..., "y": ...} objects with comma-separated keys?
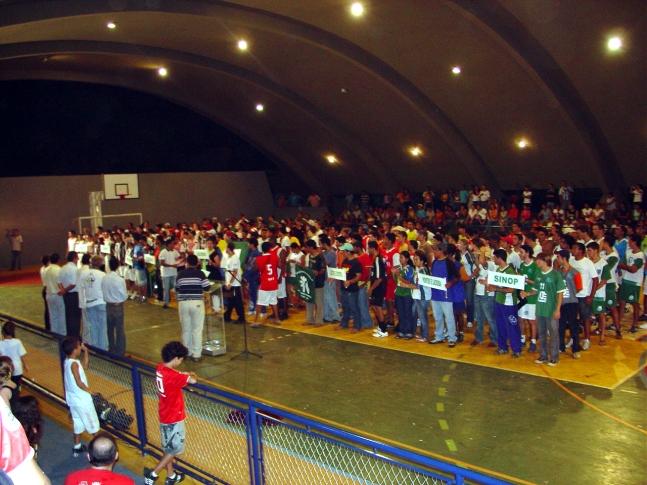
[
  {"x": 168, "y": 257},
  {"x": 82, "y": 273},
  {"x": 634, "y": 258},
  {"x": 599, "y": 266},
  {"x": 586, "y": 269},
  {"x": 51, "y": 279},
  {"x": 91, "y": 284},
  {"x": 74, "y": 395},
  {"x": 479, "y": 288},
  {"x": 232, "y": 263},
  {"x": 43, "y": 270},
  {"x": 14, "y": 349},
  {"x": 71, "y": 244}
]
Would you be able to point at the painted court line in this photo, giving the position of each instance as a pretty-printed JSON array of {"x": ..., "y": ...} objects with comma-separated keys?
[
  {"x": 451, "y": 446},
  {"x": 446, "y": 378},
  {"x": 443, "y": 424},
  {"x": 442, "y": 392},
  {"x": 440, "y": 407}
]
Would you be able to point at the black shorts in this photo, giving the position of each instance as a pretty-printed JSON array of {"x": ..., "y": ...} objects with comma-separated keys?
[{"x": 377, "y": 297}]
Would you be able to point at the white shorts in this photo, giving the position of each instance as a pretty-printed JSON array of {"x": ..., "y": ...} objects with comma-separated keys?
[
  {"x": 266, "y": 298},
  {"x": 527, "y": 311},
  {"x": 84, "y": 418},
  {"x": 282, "y": 291}
]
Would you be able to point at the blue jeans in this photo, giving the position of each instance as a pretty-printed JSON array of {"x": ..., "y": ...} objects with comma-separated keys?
[
  {"x": 331, "y": 312},
  {"x": 407, "y": 325},
  {"x": 362, "y": 303},
  {"x": 444, "y": 316},
  {"x": 350, "y": 309},
  {"x": 484, "y": 310},
  {"x": 168, "y": 282},
  {"x": 98, "y": 326},
  {"x": 253, "y": 294},
  {"x": 507, "y": 324},
  {"x": 469, "y": 299},
  {"x": 420, "y": 309}
]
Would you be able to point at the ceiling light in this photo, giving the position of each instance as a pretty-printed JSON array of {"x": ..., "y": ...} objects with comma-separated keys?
[
  {"x": 456, "y": 70},
  {"x": 260, "y": 107},
  {"x": 243, "y": 45},
  {"x": 344, "y": 90},
  {"x": 162, "y": 72},
  {"x": 111, "y": 25},
  {"x": 415, "y": 151},
  {"x": 522, "y": 143},
  {"x": 357, "y": 9},
  {"x": 614, "y": 43},
  {"x": 331, "y": 158}
]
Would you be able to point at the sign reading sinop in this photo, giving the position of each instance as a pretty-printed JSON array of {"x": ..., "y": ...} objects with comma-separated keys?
[{"x": 506, "y": 280}]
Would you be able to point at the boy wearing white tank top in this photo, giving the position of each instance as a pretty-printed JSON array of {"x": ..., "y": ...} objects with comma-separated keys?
[{"x": 77, "y": 393}]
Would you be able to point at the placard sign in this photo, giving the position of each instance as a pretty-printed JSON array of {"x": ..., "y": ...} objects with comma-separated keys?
[
  {"x": 105, "y": 249},
  {"x": 128, "y": 260},
  {"x": 506, "y": 280},
  {"x": 305, "y": 284},
  {"x": 336, "y": 273},
  {"x": 432, "y": 282},
  {"x": 201, "y": 253},
  {"x": 81, "y": 248},
  {"x": 149, "y": 259}
]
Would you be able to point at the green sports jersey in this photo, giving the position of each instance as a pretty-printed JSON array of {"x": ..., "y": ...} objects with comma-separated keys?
[
  {"x": 548, "y": 285},
  {"x": 612, "y": 261},
  {"x": 602, "y": 269},
  {"x": 506, "y": 298},
  {"x": 530, "y": 272}
]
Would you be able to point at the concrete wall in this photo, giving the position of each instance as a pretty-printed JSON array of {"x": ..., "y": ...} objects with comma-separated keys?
[{"x": 45, "y": 208}]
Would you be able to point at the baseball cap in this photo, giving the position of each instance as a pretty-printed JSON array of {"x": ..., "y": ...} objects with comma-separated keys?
[{"x": 346, "y": 247}]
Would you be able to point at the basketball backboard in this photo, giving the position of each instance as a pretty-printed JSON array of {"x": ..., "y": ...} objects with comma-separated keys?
[{"x": 121, "y": 186}]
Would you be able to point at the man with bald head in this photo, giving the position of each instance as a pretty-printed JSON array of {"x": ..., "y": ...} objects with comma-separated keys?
[{"x": 102, "y": 455}]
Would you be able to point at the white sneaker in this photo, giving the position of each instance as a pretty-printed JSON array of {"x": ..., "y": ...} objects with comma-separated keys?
[
  {"x": 380, "y": 334},
  {"x": 586, "y": 344},
  {"x": 469, "y": 325},
  {"x": 569, "y": 344}
]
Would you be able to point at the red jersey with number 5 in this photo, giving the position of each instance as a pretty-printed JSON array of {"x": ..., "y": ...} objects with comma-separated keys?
[
  {"x": 169, "y": 389},
  {"x": 268, "y": 264}
]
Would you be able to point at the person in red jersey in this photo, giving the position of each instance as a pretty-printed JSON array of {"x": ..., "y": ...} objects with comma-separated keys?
[
  {"x": 268, "y": 264},
  {"x": 171, "y": 411},
  {"x": 391, "y": 257},
  {"x": 102, "y": 455}
]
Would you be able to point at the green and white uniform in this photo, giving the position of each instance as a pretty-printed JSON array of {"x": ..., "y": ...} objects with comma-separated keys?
[
  {"x": 548, "y": 285},
  {"x": 508, "y": 299},
  {"x": 599, "y": 298},
  {"x": 630, "y": 287},
  {"x": 530, "y": 271},
  {"x": 612, "y": 284}
]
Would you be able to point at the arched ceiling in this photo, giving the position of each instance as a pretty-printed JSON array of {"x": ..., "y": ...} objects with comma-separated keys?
[{"x": 367, "y": 88}]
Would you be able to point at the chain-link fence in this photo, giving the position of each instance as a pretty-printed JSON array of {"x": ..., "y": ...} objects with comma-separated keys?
[{"x": 231, "y": 438}]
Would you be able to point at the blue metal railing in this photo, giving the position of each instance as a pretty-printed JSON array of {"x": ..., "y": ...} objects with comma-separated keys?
[{"x": 278, "y": 442}]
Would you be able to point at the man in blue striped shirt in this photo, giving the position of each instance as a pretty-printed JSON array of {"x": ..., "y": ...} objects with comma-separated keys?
[{"x": 190, "y": 287}]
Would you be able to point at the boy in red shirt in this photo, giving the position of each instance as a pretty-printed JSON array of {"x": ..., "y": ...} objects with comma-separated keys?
[
  {"x": 171, "y": 411},
  {"x": 268, "y": 264}
]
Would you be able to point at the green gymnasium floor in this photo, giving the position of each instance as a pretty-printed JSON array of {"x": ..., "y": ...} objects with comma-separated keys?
[{"x": 532, "y": 428}]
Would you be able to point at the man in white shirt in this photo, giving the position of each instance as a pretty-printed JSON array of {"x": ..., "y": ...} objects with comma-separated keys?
[
  {"x": 233, "y": 277},
  {"x": 68, "y": 278},
  {"x": 632, "y": 278},
  {"x": 95, "y": 305},
  {"x": 585, "y": 267},
  {"x": 15, "y": 241},
  {"x": 169, "y": 257},
  {"x": 114, "y": 291},
  {"x": 54, "y": 296}
]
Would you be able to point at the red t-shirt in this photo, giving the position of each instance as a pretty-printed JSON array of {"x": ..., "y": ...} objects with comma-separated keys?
[
  {"x": 365, "y": 260},
  {"x": 169, "y": 389},
  {"x": 268, "y": 264},
  {"x": 97, "y": 477},
  {"x": 388, "y": 255}
]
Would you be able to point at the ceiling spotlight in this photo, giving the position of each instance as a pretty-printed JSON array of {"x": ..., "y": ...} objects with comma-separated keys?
[
  {"x": 331, "y": 158},
  {"x": 415, "y": 151},
  {"x": 162, "y": 72},
  {"x": 456, "y": 70},
  {"x": 260, "y": 107},
  {"x": 614, "y": 43},
  {"x": 243, "y": 45},
  {"x": 344, "y": 90},
  {"x": 357, "y": 9},
  {"x": 522, "y": 143},
  {"x": 111, "y": 25}
]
